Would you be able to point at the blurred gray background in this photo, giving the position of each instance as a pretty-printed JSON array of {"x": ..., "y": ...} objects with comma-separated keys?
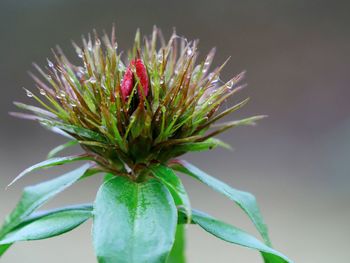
[{"x": 296, "y": 162}]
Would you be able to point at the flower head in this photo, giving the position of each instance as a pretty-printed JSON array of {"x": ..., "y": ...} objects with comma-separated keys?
[{"x": 126, "y": 113}]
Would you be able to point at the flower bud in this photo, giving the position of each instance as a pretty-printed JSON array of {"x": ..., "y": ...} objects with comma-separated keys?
[
  {"x": 141, "y": 73},
  {"x": 127, "y": 84},
  {"x": 128, "y": 80}
]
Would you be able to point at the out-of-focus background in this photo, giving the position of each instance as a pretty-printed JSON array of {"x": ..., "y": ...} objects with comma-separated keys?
[{"x": 296, "y": 162}]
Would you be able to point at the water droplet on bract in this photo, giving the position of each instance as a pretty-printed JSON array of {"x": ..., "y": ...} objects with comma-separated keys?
[
  {"x": 229, "y": 84},
  {"x": 206, "y": 66},
  {"x": 98, "y": 42},
  {"x": 29, "y": 94},
  {"x": 73, "y": 104},
  {"x": 49, "y": 77},
  {"x": 92, "y": 80},
  {"x": 160, "y": 58},
  {"x": 62, "y": 94},
  {"x": 78, "y": 50},
  {"x": 42, "y": 92},
  {"x": 51, "y": 65},
  {"x": 161, "y": 82},
  {"x": 189, "y": 52},
  {"x": 115, "y": 45},
  {"x": 89, "y": 46}
]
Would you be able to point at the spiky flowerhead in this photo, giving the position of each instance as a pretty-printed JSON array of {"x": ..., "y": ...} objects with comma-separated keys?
[{"x": 126, "y": 113}]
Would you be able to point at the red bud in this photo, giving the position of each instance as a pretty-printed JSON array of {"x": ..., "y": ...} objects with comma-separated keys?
[
  {"x": 141, "y": 73},
  {"x": 128, "y": 80},
  {"x": 127, "y": 84}
]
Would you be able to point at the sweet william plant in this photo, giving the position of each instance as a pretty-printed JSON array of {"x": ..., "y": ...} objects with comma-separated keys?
[{"x": 133, "y": 117}]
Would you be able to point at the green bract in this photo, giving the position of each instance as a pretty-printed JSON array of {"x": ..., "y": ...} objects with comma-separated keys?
[{"x": 132, "y": 116}]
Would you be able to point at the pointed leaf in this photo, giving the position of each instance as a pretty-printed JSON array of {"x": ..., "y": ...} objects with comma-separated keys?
[
  {"x": 208, "y": 144},
  {"x": 48, "y": 224},
  {"x": 35, "y": 196},
  {"x": 235, "y": 235},
  {"x": 245, "y": 200},
  {"x": 177, "y": 254},
  {"x": 180, "y": 149},
  {"x": 168, "y": 177},
  {"x": 133, "y": 222},
  {"x": 79, "y": 131},
  {"x": 4, "y": 248},
  {"x": 36, "y": 110},
  {"x": 60, "y": 148},
  {"x": 50, "y": 163}
]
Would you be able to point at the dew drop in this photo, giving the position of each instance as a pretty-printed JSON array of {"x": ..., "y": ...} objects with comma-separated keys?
[
  {"x": 189, "y": 52},
  {"x": 98, "y": 42},
  {"x": 161, "y": 82},
  {"x": 229, "y": 84},
  {"x": 78, "y": 51},
  {"x": 49, "y": 77},
  {"x": 92, "y": 80},
  {"x": 206, "y": 66},
  {"x": 51, "y": 65},
  {"x": 29, "y": 94},
  {"x": 160, "y": 58},
  {"x": 73, "y": 104},
  {"x": 62, "y": 94},
  {"x": 42, "y": 92},
  {"x": 89, "y": 46}
]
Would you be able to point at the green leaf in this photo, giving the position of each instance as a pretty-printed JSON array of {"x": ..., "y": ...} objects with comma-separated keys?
[
  {"x": 36, "y": 110},
  {"x": 235, "y": 235},
  {"x": 133, "y": 222},
  {"x": 208, "y": 144},
  {"x": 78, "y": 131},
  {"x": 193, "y": 146},
  {"x": 51, "y": 162},
  {"x": 4, "y": 248},
  {"x": 48, "y": 224},
  {"x": 35, "y": 196},
  {"x": 250, "y": 121},
  {"x": 245, "y": 200},
  {"x": 60, "y": 148},
  {"x": 177, "y": 254},
  {"x": 168, "y": 177}
]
